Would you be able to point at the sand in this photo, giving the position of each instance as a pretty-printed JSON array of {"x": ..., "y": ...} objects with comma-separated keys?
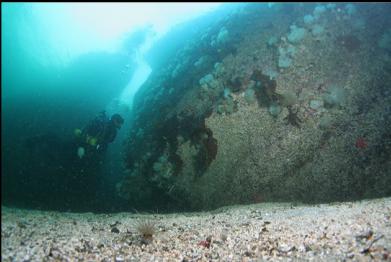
[{"x": 356, "y": 231}]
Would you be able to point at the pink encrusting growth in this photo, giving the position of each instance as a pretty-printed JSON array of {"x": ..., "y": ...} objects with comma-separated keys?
[{"x": 361, "y": 143}]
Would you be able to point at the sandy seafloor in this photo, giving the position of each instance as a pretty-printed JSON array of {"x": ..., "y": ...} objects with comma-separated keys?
[{"x": 352, "y": 231}]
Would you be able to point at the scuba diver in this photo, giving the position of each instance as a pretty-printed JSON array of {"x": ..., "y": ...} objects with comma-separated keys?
[
  {"x": 72, "y": 168},
  {"x": 95, "y": 137},
  {"x": 98, "y": 133}
]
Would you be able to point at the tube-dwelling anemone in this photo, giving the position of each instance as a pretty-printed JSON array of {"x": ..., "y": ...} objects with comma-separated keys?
[{"x": 146, "y": 228}]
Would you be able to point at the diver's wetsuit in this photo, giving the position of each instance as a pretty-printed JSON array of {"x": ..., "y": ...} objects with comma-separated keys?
[{"x": 102, "y": 129}]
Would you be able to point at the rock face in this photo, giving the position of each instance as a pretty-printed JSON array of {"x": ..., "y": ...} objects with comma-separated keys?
[{"x": 200, "y": 140}]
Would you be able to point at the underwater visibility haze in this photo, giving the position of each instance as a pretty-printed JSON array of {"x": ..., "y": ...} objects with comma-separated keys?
[
  {"x": 176, "y": 106},
  {"x": 196, "y": 131}
]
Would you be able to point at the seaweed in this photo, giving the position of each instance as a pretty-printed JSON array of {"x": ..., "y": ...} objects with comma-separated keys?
[
  {"x": 293, "y": 118},
  {"x": 265, "y": 90},
  {"x": 207, "y": 144}
]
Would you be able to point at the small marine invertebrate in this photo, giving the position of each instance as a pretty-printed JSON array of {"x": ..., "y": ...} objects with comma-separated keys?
[
  {"x": 249, "y": 96},
  {"x": 206, "y": 243},
  {"x": 361, "y": 143},
  {"x": 146, "y": 228},
  {"x": 296, "y": 34},
  {"x": 335, "y": 96},
  {"x": 274, "y": 109}
]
